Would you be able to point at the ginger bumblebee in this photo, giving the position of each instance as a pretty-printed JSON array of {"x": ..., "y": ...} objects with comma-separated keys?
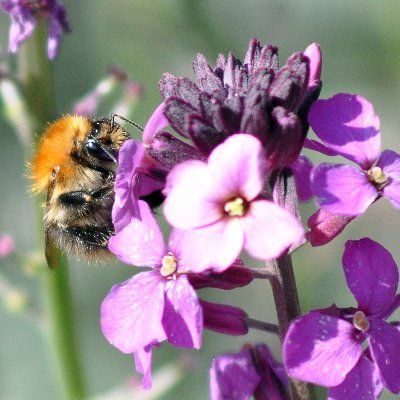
[{"x": 75, "y": 163}]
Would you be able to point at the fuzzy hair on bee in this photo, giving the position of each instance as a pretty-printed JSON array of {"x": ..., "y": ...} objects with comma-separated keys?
[{"x": 76, "y": 163}]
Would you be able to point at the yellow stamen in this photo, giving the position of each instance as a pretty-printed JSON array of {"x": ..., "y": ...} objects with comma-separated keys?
[
  {"x": 376, "y": 175},
  {"x": 235, "y": 207},
  {"x": 169, "y": 265},
  {"x": 360, "y": 321}
]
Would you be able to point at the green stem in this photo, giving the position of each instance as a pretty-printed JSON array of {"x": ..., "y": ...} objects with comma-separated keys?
[{"x": 36, "y": 74}]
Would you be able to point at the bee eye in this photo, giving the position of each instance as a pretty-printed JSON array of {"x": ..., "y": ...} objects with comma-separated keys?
[
  {"x": 94, "y": 148},
  {"x": 96, "y": 125}
]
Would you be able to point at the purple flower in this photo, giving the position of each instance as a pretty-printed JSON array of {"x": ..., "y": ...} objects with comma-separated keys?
[
  {"x": 256, "y": 97},
  {"x": 24, "y": 16},
  {"x": 7, "y": 245},
  {"x": 219, "y": 204},
  {"x": 326, "y": 347},
  {"x": 348, "y": 126},
  {"x": 152, "y": 306},
  {"x": 237, "y": 376}
]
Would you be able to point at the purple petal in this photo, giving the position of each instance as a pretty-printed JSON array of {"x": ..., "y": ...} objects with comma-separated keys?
[
  {"x": 342, "y": 189},
  {"x": 190, "y": 201},
  {"x": 126, "y": 193},
  {"x": 54, "y": 36},
  {"x": 143, "y": 365},
  {"x": 233, "y": 377},
  {"x": 269, "y": 230},
  {"x": 183, "y": 316},
  {"x": 302, "y": 168},
  {"x": 132, "y": 311},
  {"x": 362, "y": 382},
  {"x": 320, "y": 349},
  {"x": 213, "y": 247},
  {"x": 141, "y": 242},
  {"x": 348, "y": 124},
  {"x": 384, "y": 343},
  {"x": 389, "y": 161},
  {"x": 371, "y": 274},
  {"x": 237, "y": 167},
  {"x": 313, "y": 52},
  {"x": 319, "y": 147},
  {"x": 156, "y": 123},
  {"x": 21, "y": 28}
]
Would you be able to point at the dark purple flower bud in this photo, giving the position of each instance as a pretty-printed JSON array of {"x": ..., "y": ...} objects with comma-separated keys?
[
  {"x": 224, "y": 319},
  {"x": 234, "y": 277},
  {"x": 325, "y": 226},
  {"x": 254, "y": 97}
]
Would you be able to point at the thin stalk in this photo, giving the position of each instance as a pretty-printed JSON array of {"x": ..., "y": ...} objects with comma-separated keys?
[
  {"x": 283, "y": 284},
  {"x": 36, "y": 74}
]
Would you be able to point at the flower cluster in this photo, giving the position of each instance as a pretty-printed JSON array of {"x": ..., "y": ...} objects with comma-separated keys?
[{"x": 25, "y": 14}]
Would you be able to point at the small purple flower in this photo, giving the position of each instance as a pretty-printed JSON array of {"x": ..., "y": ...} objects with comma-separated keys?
[
  {"x": 152, "y": 306},
  {"x": 325, "y": 347},
  {"x": 348, "y": 126},
  {"x": 237, "y": 376},
  {"x": 24, "y": 16},
  {"x": 220, "y": 206}
]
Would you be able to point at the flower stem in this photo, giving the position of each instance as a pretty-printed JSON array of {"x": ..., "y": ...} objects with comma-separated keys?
[
  {"x": 262, "y": 326},
  {"x": 36, "y": 75},
  {"x": 283, "y": 284}
]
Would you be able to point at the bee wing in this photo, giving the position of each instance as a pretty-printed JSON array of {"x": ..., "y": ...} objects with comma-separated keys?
[{"x": 50, "y": 248}]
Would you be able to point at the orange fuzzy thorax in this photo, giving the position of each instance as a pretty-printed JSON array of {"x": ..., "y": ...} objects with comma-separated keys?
[{"x": 54, "y": 150}]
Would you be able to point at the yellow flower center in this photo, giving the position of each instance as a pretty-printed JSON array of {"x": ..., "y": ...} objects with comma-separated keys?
[
  {"x": 236, "y": 207},
  {"x": 377, "y": 176},
  {"x": 169, "y": 265},
  {"x": 360, "y": 321}
]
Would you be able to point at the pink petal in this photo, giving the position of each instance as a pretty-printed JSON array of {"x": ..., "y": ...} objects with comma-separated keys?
[
  {"x": 385, "y": 350},
  {"x": 302, "y": 168},
  {"x": 213, "y": 247},
  {"x": 7, "y": 245},
  {"x": 132, "y": 311},
  {"x": 342, "y": 189},
  {"x": 269, "y": 230},
  {"x": 143, "y": 365},
  {"x": 320, "y": 349},
  {"x": 362, "y": 382},
  {"x": 237, "y": 167},
  {"x": 233, "y": 377},
  {"x": 313, "y": 52},
  {"x": 141, "y": 242},
  {"x": 190, "y": 201},
  {"x": 348, "y": 124},
  {"x": 156, "y": 123},
  {"x": 183, "y": 316},
  {"x": 371, "y": 274},
  {"x": 389, "y": 161}
]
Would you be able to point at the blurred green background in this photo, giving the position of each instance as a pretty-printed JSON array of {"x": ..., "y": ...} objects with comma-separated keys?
[{"x": 360, "y": 41}]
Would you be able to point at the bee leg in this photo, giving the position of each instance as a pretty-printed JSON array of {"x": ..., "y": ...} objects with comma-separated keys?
[{"x": 80, "y": 197}]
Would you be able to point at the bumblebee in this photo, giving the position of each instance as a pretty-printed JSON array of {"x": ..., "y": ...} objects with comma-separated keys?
[{"x": 76, "y": 163}]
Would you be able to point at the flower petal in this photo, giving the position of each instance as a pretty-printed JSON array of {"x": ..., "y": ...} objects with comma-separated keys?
[
  {"x": 237, "y": 167},
  {"x": 213, "y": 247},
  {"x": 320, "y": 349},
  {"x": 143, "y": 365},
  {"x": 348, "y": 124},
  {"x": 141, "y": 242},
  {"x": 362, "y": 382},
  {"x": 389, "y": 161},
  {"x": 233, "y": 376},
  {"x": 269, "y": 230},
  {"x": 313, "y": 52},
  {"x": 302, "y": 168},
  {"x": 342, "y": 189},
  {"x": 132, "y": 311},
  {"x": 384, "y": 342},
  {"x": 183, "y": 316},
  {"x": 190, "y": 201},
  {"x": 156, "y": 123},
  {"x": 371, "y": 274}
]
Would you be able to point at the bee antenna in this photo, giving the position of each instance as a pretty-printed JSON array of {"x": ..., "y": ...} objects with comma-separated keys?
[{"x": 113, "y": 116}]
